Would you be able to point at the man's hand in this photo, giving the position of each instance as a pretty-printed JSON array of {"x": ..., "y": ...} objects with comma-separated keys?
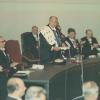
[
  {"x": 14, "y": 64},
  {"x": 56, "y": 48},
  {"x": 95, "y": 45},
  {"x": 1, "y": 68},
  {"x": 82, "y": 42}
]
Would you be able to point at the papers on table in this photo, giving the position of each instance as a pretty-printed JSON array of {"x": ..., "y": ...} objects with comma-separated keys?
[
  {"x": 24, "y": 72},
  {"x": 59, "y": 60},
  {"x": 38, "y": 66}
]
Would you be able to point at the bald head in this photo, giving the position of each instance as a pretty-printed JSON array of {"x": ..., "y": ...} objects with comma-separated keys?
[
  {"x": 16, "y": 87},
  {"x": 53, "y": 21},
  {"x": 90, "y": 90},
  {"x": 52, "y": 17}
]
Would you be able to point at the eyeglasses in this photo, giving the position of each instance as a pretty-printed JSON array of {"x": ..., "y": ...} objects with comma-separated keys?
[{"x": 3, "y": 41}]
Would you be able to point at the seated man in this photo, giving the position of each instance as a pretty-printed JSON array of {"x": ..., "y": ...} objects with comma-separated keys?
[
  {"x": 30, "y": 43},
  {"x": 50, "y": 41},
  {"x": 35, "y": 93},
  {"x": 16, "y": 89},
  {"x": 90, "y": 91},
  {"x": 90, "y": 44},
  {"x": 72, "y": 43},
  {"x": 7, "y": 68}
]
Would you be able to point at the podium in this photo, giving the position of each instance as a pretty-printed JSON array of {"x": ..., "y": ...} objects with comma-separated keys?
[{"x": 63, "y": 82}]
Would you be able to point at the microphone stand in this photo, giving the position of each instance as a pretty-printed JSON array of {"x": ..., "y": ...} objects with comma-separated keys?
[
  {"x": 62, "y": 54},
  {"x": 82, "y": 74},
  {"x": 69, "y": 51},
  {"x": 82, "y": 69},
  {"x": 39, "y": 47}
]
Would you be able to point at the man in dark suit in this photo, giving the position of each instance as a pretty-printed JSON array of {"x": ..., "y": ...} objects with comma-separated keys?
[
  {"x": 16, "y": 89},
  {"x": 72, "y": 43},
  {"x": 90, "y": 44},
  {"x": 7, "y": 68},
  {"x": 30, "y": 44},
  {"x": 50, "y": 42}
]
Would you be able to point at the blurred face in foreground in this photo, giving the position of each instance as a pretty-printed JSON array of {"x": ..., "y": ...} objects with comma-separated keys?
[
  {"x": 42, "y": 97},
  {"x": 22, "y": 88},
  {"x": 92, "y": 97}
]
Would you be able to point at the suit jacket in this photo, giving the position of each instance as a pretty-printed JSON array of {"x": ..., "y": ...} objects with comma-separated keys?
[
  {"x": 10, "y": 98},
  {"x": 73, "y": 51},
  {"x": 86, "y": 50},
  {"x": 46, "y": 55},
  {"x": 7, "y": 73},
  {"x": 4, "y": 62},
  {"x": 29, "y": 44},
  {"x": 3, "y": 87}
]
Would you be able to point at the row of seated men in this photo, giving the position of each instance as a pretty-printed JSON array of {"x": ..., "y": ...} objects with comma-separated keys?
[
  {"x": 48, "y": 44},
  {"x": 48, "y": 48},
  {"x": 16, "y": 90},
  {"x": 8, "y": 67}
]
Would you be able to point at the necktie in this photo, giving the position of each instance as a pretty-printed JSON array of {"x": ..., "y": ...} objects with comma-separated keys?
[{"x": 57, "y": 38}]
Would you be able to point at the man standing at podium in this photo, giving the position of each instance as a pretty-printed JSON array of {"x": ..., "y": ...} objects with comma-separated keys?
[{"x": 50, "y": 41}]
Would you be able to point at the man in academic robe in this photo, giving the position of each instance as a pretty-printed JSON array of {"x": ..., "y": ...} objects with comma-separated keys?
[
  {"x": 50, "y": 42},
  {"x": 89, "y": 44},
  {"x": 72, "y": 43}
]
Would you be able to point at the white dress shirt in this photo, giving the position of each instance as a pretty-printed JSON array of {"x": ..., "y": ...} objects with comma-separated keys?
[
  {"x": 35, "y": 36},
  {"x": 3, "y": 50}
]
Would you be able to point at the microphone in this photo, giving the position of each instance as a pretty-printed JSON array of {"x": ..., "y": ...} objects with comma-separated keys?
[
  {"x": 63, "y": 56},
  {"x": 79, "y": 98},
  {"x": 69, "y": 52},
  {"x": 81, "y": 46},
  {"x": 63, "y": 49},
  {"x": 38, "y": 47}
]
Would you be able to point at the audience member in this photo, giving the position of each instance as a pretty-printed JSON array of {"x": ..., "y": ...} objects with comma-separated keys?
[
  {"x": 90, "y": 90},
  {"x": 7, "y": 68},
  {"x": 16, "y": 89},
  {"x": 35, "y": 93}
]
